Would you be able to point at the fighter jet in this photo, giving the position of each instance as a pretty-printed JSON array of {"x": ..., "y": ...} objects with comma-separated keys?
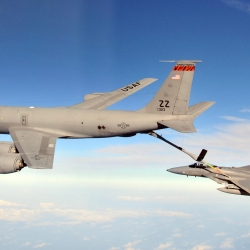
[
  {"x": 235, "y": 180},
  {"x": 35, "y": 130}
]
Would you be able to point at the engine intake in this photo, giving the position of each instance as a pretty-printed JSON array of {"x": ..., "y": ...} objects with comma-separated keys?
[
  {"x": 7, "y": 147},
  {"x": 11, "y": 163}
]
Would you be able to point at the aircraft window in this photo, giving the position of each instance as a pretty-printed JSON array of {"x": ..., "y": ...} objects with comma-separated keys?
[
  {"x": 193, "y": 165},
  {"x": 197, "y": 165}
]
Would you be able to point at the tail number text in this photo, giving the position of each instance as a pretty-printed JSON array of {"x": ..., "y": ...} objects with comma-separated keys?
[{"x": 163, "y": 104}]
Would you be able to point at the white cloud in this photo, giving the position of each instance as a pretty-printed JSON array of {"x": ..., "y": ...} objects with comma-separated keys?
[
  {"x": 130, "y": 198},
  {"x": 174, "y": 199},
  {"x": 220, "y": 234},
  {"x": 246, "y": 235},
  {"x": 163, "y": 246},
  {"x": 172, "y": 214},
  {"x": 228, "y": 243},
  {"x": 202, "y": 247},
  {"x": 7, "y": 203},
  {"x": 26, "y": 244},
  {"x": 19, "y": 214},
  {"x": 234, "y": 119},
  {"x": 245, "y": 110},
  {"x": 46, "y": 205},
  {"x": 201, "y": 226},
  {"x": 77, "y": 216},
  {"x": 177, "y": 235},
  {"x": 130, "y": 245},
  {"x": 240, "y": 5},
  {"x": 140, "y": 154},
  {"x": 226, "y": 144},
  {"x": 41, "y": 245}
]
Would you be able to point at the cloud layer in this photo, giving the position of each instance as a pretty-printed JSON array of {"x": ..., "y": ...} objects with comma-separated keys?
[{"x": 239, "y": 5}]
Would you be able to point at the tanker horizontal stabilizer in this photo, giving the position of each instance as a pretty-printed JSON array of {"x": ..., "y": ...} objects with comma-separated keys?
[
  {"x": 182, "y": 126},
  {"x": 187, "y": 125},
  {"x": 199, "y": 108}
]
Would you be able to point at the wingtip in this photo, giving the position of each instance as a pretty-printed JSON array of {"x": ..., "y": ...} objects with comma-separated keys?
[{"x": 152, "y": 79}]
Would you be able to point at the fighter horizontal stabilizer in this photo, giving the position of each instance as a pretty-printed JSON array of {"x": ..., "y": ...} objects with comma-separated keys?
[
  {"x": 103, "y": 100},
  {"x": 183, "y": 126}
]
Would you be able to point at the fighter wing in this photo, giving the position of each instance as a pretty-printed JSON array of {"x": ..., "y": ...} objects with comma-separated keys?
[
  {"x": 103, "y": 100},
  {"x": 35, "y": 147},
  {"x": 243, "y": 183},
  {"x": 240, "y": 182}
]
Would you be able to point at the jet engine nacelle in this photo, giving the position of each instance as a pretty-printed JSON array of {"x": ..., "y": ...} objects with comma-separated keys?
[
  {"x": 233, "y": 191},
  {"x": 7, "y": 147},
  {"x": 11, "y": 163}
]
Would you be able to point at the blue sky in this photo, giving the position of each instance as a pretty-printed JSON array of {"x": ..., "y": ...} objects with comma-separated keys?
[{"x": 115, "y": 193}]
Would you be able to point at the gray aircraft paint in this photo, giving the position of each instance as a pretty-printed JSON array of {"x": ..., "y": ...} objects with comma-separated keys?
[
  {"x": 35, "y": 130},
  {"x": 175, "y": 91},
  {"x": 235, "y": 180}
]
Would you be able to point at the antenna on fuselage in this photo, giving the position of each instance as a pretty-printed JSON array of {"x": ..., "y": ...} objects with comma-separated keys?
[{"x": 182, "y": 61}]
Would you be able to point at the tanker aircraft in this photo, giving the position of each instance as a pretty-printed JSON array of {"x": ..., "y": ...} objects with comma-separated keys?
[
  {"x": 235, "y": 180},
  {"x": 35, "y": 130}
]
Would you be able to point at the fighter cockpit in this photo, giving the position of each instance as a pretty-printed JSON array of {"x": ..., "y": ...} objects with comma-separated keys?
[{"x": 197, "y": 165}]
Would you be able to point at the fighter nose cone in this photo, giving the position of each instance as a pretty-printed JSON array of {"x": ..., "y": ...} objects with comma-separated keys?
[
  {"x": 173, "y": 170},
  {"x": 170, "y": 170},
  {"x": 179, "y": 170}
]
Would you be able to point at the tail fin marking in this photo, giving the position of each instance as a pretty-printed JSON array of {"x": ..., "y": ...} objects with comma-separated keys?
[{"x": 173, "y": 96}]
